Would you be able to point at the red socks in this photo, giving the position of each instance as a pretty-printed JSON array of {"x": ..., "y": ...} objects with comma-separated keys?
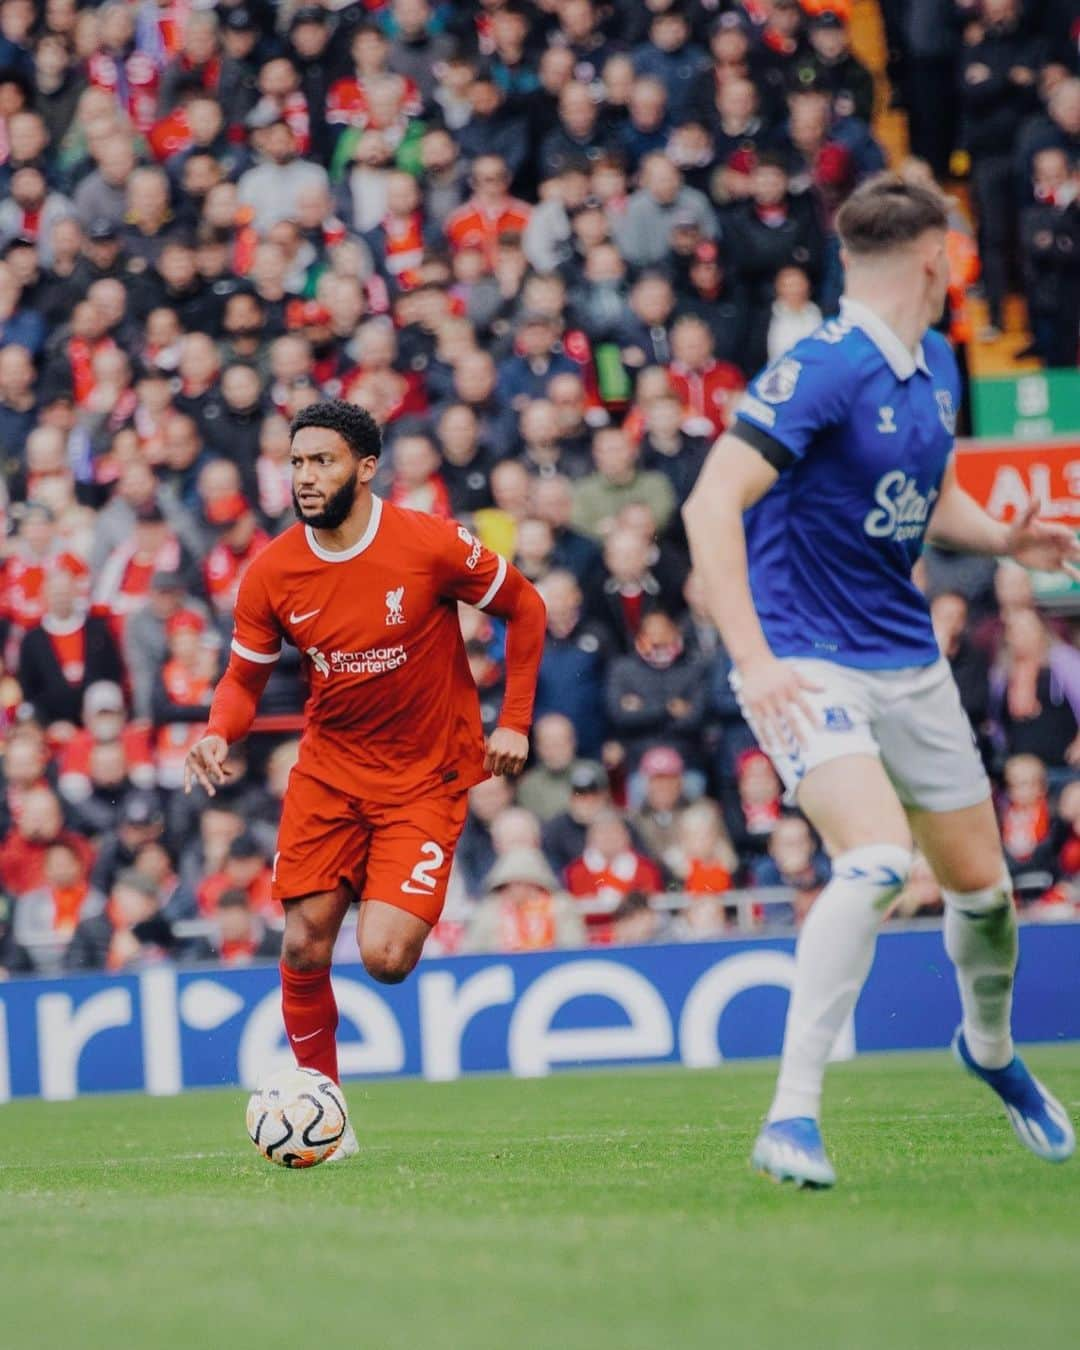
[{"x": 311, "y": 1017}]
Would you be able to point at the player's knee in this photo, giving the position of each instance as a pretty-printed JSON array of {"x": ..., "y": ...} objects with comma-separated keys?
[
  {"x": 883, "y": 868},
  {"x": 388, "y": 960},
  {"x": 305, "y": 945}
]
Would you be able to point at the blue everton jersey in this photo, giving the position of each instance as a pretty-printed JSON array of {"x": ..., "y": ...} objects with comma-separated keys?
[{"x": 861, "y": 430}]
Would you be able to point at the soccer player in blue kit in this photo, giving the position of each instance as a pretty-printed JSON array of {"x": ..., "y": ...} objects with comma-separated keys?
[{"x": 805, "y": 524}]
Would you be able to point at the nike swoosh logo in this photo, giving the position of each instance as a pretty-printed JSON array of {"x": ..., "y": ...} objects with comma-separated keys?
[
  {"x": 308, "y": 1037},
  {"x": 299, "y": 618}
]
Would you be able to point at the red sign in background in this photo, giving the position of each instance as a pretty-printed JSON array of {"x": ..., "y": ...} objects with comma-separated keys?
[{"x": 1004, "y": 476}]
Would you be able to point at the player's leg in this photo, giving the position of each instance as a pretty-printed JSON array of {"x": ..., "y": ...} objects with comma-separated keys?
[
  {"x": 308, "y": 1006},
  {"x": 964, "y": 849},
  {"x": 852, "y": 805},
  {"x": 838, "y": 780},
  {"x": 928, "y": 746},
  {"x": 318, "y": 869},
  {"x": 408, "y": 867}
]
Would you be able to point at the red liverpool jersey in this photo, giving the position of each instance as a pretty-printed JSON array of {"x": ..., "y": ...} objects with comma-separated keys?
[{"x": 393, "y": 712}]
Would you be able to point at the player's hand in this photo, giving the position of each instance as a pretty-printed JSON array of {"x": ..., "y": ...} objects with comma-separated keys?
[
  {"x": 774, "y": 694},
  {"x": 1043, "y": 545},
  {"x": 507, "y": 752},
  {"x": 205, "y": 764}
]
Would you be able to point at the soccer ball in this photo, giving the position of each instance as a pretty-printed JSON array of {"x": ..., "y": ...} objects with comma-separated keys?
[{"x": 296, "y": 1117}]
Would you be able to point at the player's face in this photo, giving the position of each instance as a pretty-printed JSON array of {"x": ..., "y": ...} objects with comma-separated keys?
[{"x": 325, "y": 477}]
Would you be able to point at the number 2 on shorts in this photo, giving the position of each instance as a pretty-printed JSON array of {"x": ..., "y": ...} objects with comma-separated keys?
[{"x": 422, "y": 880}]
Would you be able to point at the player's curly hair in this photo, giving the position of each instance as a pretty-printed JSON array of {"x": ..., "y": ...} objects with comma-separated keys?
[{"x": 356, "y": 426}]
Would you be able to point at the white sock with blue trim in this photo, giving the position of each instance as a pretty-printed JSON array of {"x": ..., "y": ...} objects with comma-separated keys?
[
  {"x": 833, "y": 958},
  {"x": 982, "y": 942}
]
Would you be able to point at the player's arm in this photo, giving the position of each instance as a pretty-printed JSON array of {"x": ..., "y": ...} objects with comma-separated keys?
[
  {"x": 519, "y": 603},
  {"x": 256, "y": 648},
  {"x": 736, "y": 475},
  {"x": 959, "y": 522},
  {"x": 476, "y": 575}
]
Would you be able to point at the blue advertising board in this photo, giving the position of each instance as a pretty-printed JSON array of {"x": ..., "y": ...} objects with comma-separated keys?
[{"x": 166, "y": 1029}]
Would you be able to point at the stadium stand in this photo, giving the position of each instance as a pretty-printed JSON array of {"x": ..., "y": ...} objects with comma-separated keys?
[{"x": 545, "y": 245}]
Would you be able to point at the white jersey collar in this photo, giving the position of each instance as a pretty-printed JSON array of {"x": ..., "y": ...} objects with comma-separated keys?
[
  {"x": 903, "y": 362},
  {"x": 343, "y": 555}
]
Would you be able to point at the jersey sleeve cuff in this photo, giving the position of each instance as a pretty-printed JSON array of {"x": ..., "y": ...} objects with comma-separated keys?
[
  {"x": 770, "y": 449},
  {"x": 261, "y": 658}
]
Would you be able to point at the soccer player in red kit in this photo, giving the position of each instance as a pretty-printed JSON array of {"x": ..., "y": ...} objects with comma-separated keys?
[{"x": 368, "y": 592}]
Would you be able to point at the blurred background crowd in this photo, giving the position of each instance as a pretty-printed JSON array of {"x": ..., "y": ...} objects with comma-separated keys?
[{"x": 545, "y": 244}]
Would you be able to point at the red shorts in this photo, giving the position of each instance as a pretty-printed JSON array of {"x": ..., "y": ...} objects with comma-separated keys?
[{"x": 400, "y": 854}]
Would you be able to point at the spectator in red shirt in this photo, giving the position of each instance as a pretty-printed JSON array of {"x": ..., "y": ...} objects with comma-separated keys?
[
  {"x": 609, "y": 869},
  {"x": 245, "y": 869},
  {"x": 707, "y": 387},
  {"x": 68, "y": 651},
  {"x": 23, "y": 851},
  {"x": 489, "y": 213},
  {"x": 417, "y": 482},
  {"x": 241, "y": 539}
]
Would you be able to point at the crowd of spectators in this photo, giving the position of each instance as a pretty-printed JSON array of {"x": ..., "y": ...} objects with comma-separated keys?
[
  {"x": 991, "y": 91},
  {"x": 545, "y": 244}
]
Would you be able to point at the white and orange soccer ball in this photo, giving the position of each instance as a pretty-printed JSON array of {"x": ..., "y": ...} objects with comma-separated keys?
[{"x": 297, "y": 1117}]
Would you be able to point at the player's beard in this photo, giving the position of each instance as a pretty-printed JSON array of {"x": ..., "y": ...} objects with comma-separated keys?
[{"x": 336, "y": 508}]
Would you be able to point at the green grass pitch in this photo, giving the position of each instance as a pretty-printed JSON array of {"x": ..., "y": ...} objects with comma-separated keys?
[{"x": 606, "y": 1211}]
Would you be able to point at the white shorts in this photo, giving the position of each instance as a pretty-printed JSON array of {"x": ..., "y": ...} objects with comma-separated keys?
[{"x": 911, "y": 719}]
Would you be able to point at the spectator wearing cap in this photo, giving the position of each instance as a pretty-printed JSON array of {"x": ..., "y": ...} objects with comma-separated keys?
[
  {"x": 131, "y": 932},
  {"x": 46, "y": 917},
  {"x": 105, "y": 722},
  {"x": 656, "y": 820},
  {"x": 245, "y": 869},
  {"x": 67, "y": 651},
  {"x": 273, "y": 187},
  {"x": 238, "y": 83},
  {"x": 608, "y": 869},
  {"x": 40, "y": 824},
  {"x": 830, "y": 65},
  {"x": 643, "y": 231},
  {"x": 240, "y": 541},
  {"x": 524, "y": 909},
  {"x": 657, "y": 693},
  {"x": 563, "y": 836},
  {"x": 141, "y": 821}
]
